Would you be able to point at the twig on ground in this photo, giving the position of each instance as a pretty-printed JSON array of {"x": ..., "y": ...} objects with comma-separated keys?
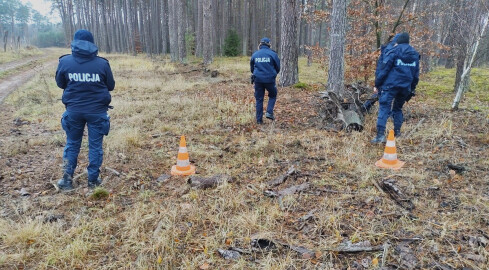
[
  {"x": 113, "y": 171},
  {"x": 282, "y": 178},
  {"x": 415, "y": 128},
  {"x": 385, "y": 254},
  {"x": 348, "y": 247},
  {"x": 184, "y": 72},
  {"x": 388, "y": 186},
  {"x": 80, "y": 175}
]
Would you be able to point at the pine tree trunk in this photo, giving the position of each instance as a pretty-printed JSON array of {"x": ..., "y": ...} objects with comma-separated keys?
[
  {"x": 164, "y": 27},
  {"x": 336, "y": 70},
  {"x": 173, "y": 27},
  {"x": 208, "y": 44},
  {"x": 200, "y": 28},
  {"x": 349, "y": 116},
  {"x": 289, "y": 73},
  {"x": 273, "y": 23},
  {"x": 182, "y": 47},
  {"x": 323, "y": 6}
]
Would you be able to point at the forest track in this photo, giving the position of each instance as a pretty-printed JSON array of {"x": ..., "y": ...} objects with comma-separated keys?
[
  {"x": 21, "y": 71},
  {"x": 20, "y": 62}
]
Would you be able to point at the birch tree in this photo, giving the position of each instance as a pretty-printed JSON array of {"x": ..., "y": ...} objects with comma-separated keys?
[{"x": 473, "y": 42}]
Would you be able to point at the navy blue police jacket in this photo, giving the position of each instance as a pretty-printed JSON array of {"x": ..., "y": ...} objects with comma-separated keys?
[
  {"x": 85, "y": 78},
  {"x": 399, "y": 69},
  {"x": 265, "y": 65},
  {"x": 383, "y": 50}
]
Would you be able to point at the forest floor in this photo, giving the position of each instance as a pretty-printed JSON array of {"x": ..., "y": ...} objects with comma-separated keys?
[{"x": 332, "y": 204}]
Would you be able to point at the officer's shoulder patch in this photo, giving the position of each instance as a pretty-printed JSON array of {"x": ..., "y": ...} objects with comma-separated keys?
[
  {"x": 63, "y": 56},
  {"x": 103, "y": 58}
]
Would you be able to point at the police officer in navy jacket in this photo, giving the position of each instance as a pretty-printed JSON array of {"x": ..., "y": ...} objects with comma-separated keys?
[
  {"x": 375, "y": 96},
  {"x": 87, "y": 81},
  {"x": 265, "y": 65},
  {"x": 397, "y": 77}
]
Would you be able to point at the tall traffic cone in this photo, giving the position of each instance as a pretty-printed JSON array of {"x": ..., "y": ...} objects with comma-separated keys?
[
  {"x": 389, "y": 160},
  {"x": 183, "y": 166}
]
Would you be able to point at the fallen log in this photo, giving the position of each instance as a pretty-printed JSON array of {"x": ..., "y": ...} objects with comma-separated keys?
[
  {"x": 203, "y": 183},
  {"x": 349, "y": 116}
]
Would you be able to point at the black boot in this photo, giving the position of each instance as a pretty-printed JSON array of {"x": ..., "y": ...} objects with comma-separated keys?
[
  {"x": 94, "y": 183},
  {"x": 380, "y": 138},
  {"x": 397, "y": 133},
  {"x": 66, "y": 183}
]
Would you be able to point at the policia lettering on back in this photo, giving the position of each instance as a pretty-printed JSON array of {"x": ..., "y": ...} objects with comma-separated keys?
[{"x": 84, "y": 77}]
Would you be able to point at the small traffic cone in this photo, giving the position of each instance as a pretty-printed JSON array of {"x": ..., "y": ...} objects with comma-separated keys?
[
  {"x": 183, "y": 166},
  {"x": 389, "y": 160}
]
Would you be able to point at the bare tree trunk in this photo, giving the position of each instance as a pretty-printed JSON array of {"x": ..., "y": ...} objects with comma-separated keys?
[
  {"x": 253, "y": 22},
  {"x": 245, "y": 24},
  {"x": 273, "y": 22},
  {"x": 130, "y": 27},
  {"x": 5, "y": 40},
  {"x": 173, "y": 27},
  {"x": 309, "y": 35},
  {"x": 208, "y": 44},
  {"x": 224, "y": 25},
  {"x": 289, "y": 73},
  {"x": 181, "y": 13},
  {"x": 200, "y": 29},
  {"x": 350, "y": 116},
  {"x": 106, "y": 30},
  {"x": 336, "y": 70},
  {"x": 469, "y": 60},
  {"x": 164, "y": 28}
]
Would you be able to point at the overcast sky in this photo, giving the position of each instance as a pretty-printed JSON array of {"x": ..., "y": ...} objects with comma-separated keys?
[{"x": 44, "y": 7}]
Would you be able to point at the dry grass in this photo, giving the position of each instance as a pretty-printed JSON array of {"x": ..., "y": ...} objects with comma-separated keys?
[
  {"x": 143, "y": 224},
  {"x": 18, "y": 54}
]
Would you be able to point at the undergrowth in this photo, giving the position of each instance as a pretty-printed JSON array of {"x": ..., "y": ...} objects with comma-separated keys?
[{"x": 144, "y": 224}]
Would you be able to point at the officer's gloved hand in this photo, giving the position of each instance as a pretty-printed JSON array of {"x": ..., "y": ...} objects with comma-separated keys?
[
  {"x": 412, "y": 94},
  {"x": 252, "y": 79}
]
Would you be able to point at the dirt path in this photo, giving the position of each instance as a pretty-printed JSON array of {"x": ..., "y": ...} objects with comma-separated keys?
[
  {"x": 12, "y": 82},
  {"x": 18, "y": 63}
]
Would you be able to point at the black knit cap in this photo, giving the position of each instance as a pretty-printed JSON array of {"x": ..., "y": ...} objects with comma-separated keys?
[
  {"x": 403, "y": 38},
  {"x": 83, "y": 34}
]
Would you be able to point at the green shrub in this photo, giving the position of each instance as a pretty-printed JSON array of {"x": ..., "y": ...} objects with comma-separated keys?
[
  {"x": 232, "y": 44},
  {"x": 99, "y": 193},
  {"x": 301, "y": 85}
]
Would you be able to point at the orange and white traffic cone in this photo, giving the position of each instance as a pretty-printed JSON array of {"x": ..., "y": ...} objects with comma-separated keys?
[
  {"x": 389, "y": 160},
  {"x": 183, "y": 166}
]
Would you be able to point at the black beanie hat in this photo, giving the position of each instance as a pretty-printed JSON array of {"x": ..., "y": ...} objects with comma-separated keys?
[
  {"x": 83, "y": 34},
  {"x": 403, "y": 38}
]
